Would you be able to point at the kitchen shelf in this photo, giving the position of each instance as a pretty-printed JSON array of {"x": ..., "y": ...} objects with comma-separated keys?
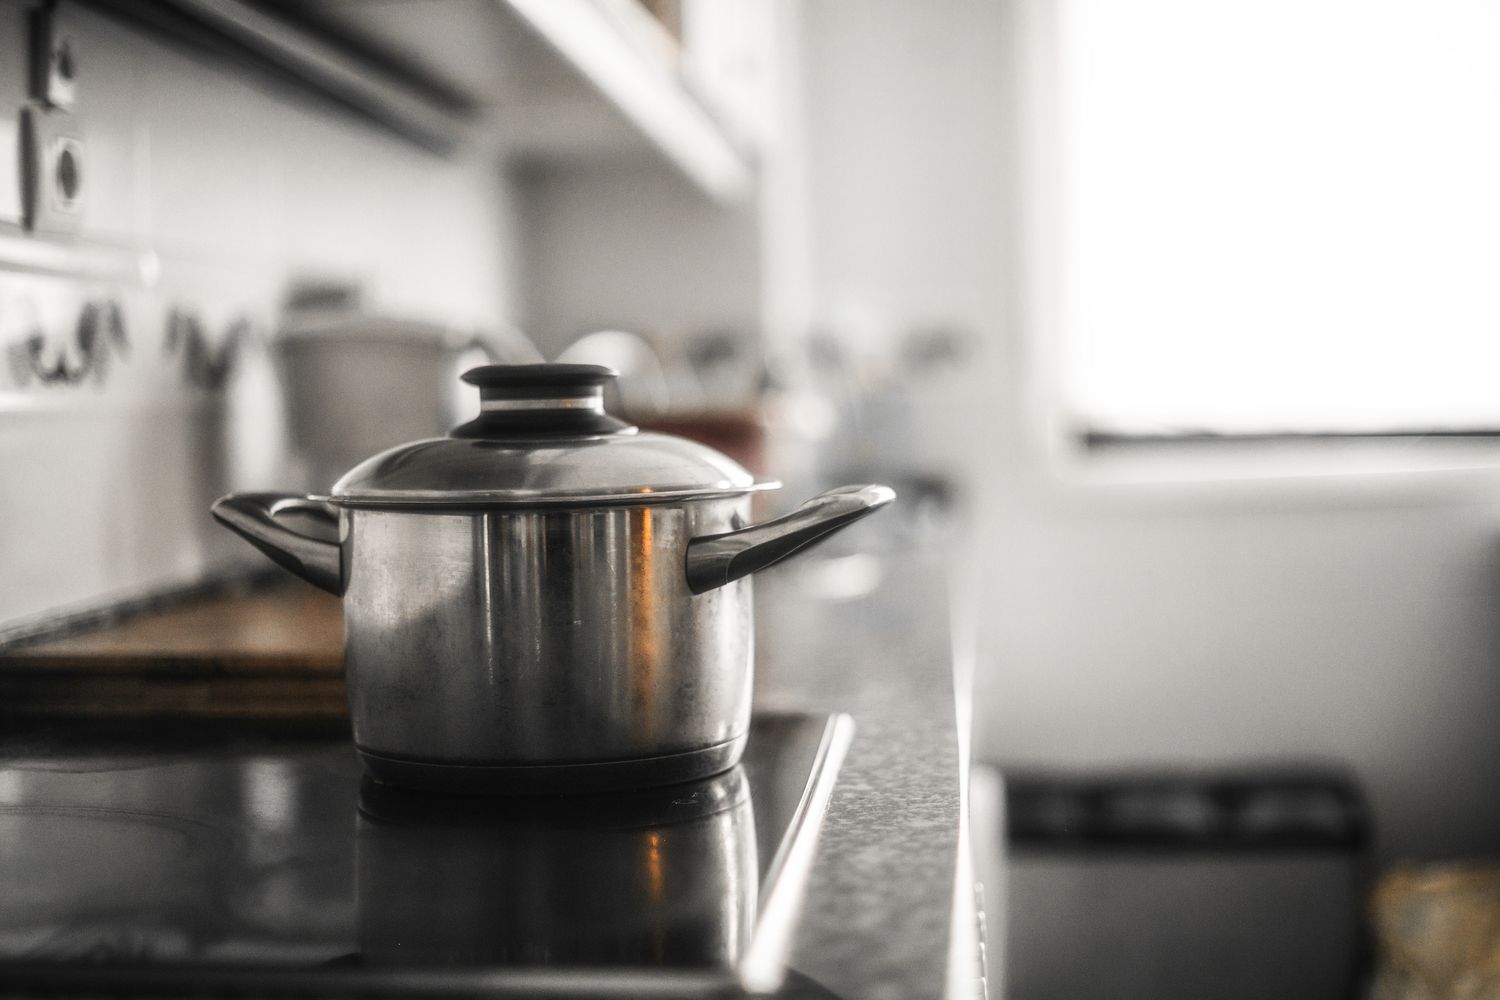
[
  {"x": 552, "y": 81},
  {"x": 541, "y": 81},
  {"x": 615, "y": 46},
  {"x": 263, "y": 36}
]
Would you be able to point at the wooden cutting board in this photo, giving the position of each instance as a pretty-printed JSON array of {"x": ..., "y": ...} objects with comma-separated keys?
[{"x": 273, "y": 653}]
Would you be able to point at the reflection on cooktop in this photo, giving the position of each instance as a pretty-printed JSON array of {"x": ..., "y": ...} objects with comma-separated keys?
[{"x": 157, "y": 861}]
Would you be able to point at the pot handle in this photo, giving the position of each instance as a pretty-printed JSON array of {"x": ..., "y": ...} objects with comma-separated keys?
[
  {"x": 714, "y": 560},
  {"x": 253, "y": 517}
]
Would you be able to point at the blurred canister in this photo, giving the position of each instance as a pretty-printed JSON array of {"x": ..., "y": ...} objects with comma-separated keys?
[
  {"x": 357, "y": 385},
  {"x": 655, "y": 878}
]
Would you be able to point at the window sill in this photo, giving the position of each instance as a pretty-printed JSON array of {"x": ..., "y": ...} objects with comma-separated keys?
[{"x": 1257, "y": 470}]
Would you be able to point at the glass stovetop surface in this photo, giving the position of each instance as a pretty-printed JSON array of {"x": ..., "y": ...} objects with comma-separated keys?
[{"x": 160, "y": 859}]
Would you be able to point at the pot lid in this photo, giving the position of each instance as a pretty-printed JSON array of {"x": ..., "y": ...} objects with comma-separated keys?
[{"x": 542, "y": 436}]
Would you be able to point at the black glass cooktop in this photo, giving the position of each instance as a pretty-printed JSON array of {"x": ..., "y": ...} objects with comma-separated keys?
[{"x": 231, "y": 860}]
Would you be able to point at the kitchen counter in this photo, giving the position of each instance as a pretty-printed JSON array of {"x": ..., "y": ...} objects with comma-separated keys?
[
  {"x": 846, "y": 631},
  {"x": 879, "y": 920}
]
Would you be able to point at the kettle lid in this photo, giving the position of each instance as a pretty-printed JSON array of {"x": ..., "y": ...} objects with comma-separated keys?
[{"x": 542, "y": 437}]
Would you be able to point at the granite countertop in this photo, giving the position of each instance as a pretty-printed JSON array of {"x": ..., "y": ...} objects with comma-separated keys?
[
  {"x": 862, "y": 627},
  {"x": 879, "y": 918}
]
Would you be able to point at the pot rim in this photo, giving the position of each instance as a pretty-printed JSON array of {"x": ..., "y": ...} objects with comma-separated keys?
[{"x": 450, "y": 500}]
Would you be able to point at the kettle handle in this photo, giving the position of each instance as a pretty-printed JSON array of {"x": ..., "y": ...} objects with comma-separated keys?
[
  {"x": 253, "y": 517},
  {"x": 714, "y": 560},
  {"x": 505, "y": 345}
]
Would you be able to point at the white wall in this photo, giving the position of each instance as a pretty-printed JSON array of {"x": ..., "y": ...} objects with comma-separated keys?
[
  {"x": 907, "y": 161},
  {"x": 1355, "y": 619},
  {"x": 627, "y": 244},
  {"x": 1171, "y": 628},
  {"x": 233, "y": 190}
]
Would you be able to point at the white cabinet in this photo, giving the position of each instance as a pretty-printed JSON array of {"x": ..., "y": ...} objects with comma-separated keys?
[{"x": 560, "y": 81}]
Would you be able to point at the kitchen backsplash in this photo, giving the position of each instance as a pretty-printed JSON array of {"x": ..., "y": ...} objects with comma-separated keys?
[{"x": 135, "y": 384}]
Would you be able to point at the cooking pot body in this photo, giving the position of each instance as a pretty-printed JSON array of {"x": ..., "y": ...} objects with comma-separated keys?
[{"x": 543, "y": 649}]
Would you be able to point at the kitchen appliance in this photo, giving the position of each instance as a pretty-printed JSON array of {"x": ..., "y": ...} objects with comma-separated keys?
[
  {"x": 1232, "y": 882},
  {"x": 547, "y": 599},
  {"x": 456, "y": 880},
  {"x": 209, "y": 860}
]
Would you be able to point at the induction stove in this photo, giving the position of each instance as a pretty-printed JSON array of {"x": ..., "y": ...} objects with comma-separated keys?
[{"x": 164, "y": 859}]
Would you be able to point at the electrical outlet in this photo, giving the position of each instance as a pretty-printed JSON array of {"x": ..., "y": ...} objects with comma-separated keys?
[
  {"x": 54, "y": 176},
  {"x": 54, "y": 60}
]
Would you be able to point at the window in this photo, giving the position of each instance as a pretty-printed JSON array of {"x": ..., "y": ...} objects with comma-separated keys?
[{"x": 1279, "y": 216}]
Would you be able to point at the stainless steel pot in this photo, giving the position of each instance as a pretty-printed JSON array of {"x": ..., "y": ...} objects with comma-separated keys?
[{"x": 546, "y": 599}]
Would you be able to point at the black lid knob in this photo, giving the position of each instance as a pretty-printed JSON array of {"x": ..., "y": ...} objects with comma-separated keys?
[
  {"x": 522, "y": 381},
  {"x": 539, "y": 399}
]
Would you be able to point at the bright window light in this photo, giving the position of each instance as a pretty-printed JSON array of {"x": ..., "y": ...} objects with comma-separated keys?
[{"x": 1280, "y": 215}]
